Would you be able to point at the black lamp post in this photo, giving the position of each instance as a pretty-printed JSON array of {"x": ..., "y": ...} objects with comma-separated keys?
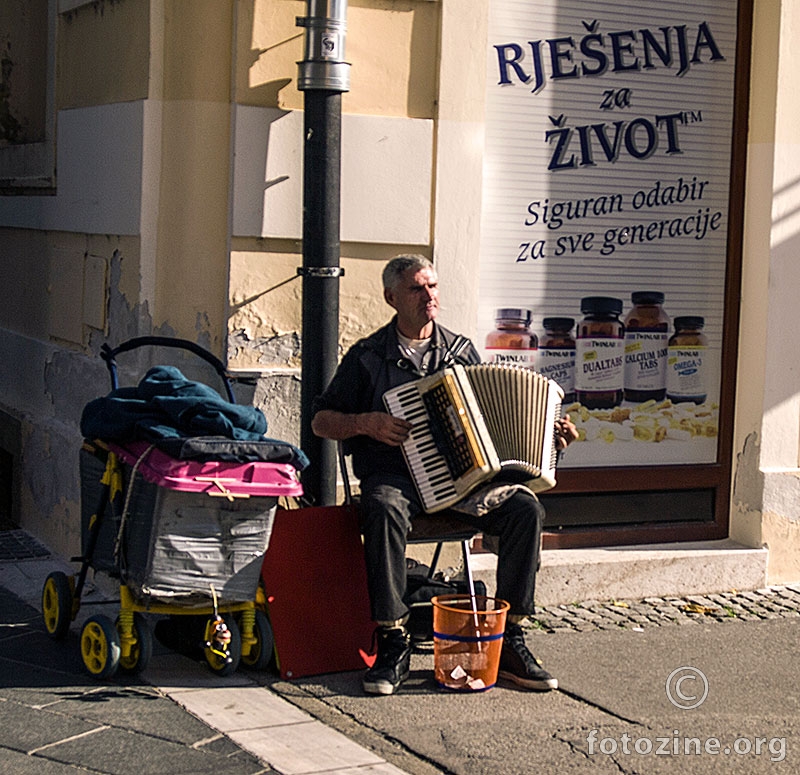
[{"x": 323, "y": 76}]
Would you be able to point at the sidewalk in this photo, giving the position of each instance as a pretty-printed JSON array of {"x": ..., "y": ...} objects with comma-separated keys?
[
  {"x": 696, "y": 685},
  {"x": 177, "y": 717}
]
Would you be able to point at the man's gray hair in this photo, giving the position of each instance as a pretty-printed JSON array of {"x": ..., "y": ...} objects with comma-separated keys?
[{"x": 399, "y": 265}]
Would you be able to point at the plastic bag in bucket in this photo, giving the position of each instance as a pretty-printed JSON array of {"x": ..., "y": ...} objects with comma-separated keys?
[{"x": 467, "y": 640}]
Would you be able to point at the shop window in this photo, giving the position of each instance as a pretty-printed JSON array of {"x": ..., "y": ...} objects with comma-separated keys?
[{"x": 27, "y": 86}]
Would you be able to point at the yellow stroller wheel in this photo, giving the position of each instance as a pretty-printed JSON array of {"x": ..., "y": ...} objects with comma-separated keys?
[
  {"x": 57, "y": 604},
  {"x": 258, "y": 652},
  {"x": 135, "y": 640},
  {"x": 100, "y": 647}
]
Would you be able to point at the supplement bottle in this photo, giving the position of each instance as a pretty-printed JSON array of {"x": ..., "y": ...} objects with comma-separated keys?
[
  {"x": 556, "y": 356},
  {"x": 600, "y": 353},
  {"x": 512, "y": 341},
  {"x": 686, "y": 361},
  {"x": 646, "y": 338}
]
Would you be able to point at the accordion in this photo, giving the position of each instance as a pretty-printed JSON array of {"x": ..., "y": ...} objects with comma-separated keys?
[{"x": 471, "y": 423}]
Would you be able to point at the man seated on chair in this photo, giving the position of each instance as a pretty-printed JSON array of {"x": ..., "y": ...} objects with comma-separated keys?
[{"x": 351, "y": 409}]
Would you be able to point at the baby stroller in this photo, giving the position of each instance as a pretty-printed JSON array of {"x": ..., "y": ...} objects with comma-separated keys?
[{"x": 182, "y": 520}]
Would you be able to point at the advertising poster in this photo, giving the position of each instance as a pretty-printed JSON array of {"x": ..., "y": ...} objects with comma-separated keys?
[{"x": 605, "y": 215}]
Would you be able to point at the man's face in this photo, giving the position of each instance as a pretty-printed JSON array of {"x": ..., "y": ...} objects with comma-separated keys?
[{"x": 415, "y": 297}]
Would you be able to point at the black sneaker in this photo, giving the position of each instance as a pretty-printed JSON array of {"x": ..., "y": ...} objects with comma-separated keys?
[
  {"x": 392, "y": 663},
  {"x": 517, "y": 664}
]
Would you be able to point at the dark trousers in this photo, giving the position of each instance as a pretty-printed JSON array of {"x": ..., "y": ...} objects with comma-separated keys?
[{"x": 390, "y": 502}]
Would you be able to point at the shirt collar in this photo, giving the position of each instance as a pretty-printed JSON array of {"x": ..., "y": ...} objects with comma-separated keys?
[{"x": 393, "y": 343}]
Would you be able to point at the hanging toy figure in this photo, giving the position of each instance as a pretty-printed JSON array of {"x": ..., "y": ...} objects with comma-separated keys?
[{"x": 218, "y": 636}]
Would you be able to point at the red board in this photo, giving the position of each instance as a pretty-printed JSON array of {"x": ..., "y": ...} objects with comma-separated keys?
[{"x": 316, "y": 586}]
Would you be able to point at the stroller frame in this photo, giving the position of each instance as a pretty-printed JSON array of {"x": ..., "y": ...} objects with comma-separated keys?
[{"x": 243, "y": 636}]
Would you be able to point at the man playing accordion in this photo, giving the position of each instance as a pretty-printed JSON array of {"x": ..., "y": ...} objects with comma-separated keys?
[{"x": 413, "y": 345}]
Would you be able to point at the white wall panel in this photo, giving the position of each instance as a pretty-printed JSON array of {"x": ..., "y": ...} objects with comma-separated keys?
[
  {"x": 98, "y": 178},
  {"x": 386, "y": 177}
]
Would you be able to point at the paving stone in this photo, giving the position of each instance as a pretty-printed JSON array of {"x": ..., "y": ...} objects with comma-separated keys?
[
  {"x": 614, "y": 616},
  {"x": 775, "y": 603},
  {"x": 788, "y": 594},
  {"x": 779, "y": 605},
  {"x": 720, "y": 599},
  {"x": 754, "y": 596},
  {"x": 24, "y": 764},
  {"x": 699, "y": 599},
  {"x": 25, "y": 729},
  {"x": 585, "y": 614},
  {"x": 114, "y": 751}
]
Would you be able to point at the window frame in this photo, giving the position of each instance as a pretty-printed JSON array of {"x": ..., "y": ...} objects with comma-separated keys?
[{"x": 30, "y": 168}]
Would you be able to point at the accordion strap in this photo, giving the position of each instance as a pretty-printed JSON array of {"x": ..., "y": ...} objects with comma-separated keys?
[{"x": 453, "y": 352}]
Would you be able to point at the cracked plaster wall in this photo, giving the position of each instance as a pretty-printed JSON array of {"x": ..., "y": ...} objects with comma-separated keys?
[
  {"x": 265, "y": 326},
  {"x": 89, "y": 293},
  {"x": 747, "y": 496}
]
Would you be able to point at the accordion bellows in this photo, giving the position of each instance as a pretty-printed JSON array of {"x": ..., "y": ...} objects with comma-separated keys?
[{"x": 471, "y": 423}]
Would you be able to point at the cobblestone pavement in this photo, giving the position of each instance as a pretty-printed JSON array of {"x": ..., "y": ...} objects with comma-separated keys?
[{"x": 777, "y": 602}]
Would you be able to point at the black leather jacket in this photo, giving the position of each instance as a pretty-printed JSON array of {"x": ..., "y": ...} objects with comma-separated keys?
[{"x": 372, "y": 366}]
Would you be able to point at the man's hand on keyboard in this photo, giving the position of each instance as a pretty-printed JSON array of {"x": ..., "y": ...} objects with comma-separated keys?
[{"x": 385, "y": 428}]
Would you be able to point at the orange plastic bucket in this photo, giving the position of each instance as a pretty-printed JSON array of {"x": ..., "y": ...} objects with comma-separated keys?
[{"x": 467, "y": 640}]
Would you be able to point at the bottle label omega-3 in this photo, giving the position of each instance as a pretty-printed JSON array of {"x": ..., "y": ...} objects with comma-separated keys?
[
  {"x": 646, "y": 338},
  {"x": 687, "y": 361},
  {"x": 600, "y": 353}
]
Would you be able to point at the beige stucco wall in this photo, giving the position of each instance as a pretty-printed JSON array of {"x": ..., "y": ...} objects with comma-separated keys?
[
  {"x": 151, "y": 87},
  {"x": 748, "y": 482},
  {"x": 192, "y": 189},
  {"x": 70, "y": 303},
  {"x": 394, "y": 46},
  {"x": 766, "y": 497},
  {"x": 175, "y": 57},
  {"x": 103, "y": 54},
  {"x": 133, "y": 240},
  {"x": 409, "y": 60}
]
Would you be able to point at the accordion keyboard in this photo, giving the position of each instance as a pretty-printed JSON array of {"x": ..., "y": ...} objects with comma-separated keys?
[
  {"x": 428, "y": 467},
  {"x": 470, "y": 423},
  {"x": 446, "y": 451}
]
